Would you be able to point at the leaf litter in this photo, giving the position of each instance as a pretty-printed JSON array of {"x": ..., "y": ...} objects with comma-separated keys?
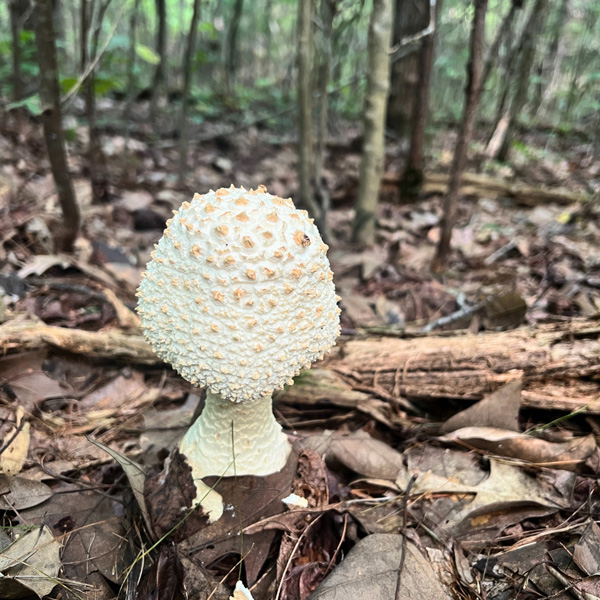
[{"x": 500, "y": 477}]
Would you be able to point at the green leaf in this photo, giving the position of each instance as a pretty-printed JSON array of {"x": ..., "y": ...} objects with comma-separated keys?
[
  {"x": 33, "y": 104},
  {"x": 147, "y": 54},
  {"x": 67, "y": 84}
]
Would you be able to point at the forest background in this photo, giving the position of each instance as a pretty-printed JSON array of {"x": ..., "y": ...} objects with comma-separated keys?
[{"x": 450, "y": 155}]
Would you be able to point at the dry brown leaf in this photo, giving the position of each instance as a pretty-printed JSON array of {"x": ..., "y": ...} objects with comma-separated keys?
[
  {"x": 359, "y": 452},
  {"x": 498, "y": 409},
  {"x": 30, "y": 564},
  {"x": 562, "y": 455},
  {"x": 18, "y": 493},
  {"x": 16, "y": 445},
  {"x": 587, "y": 550},
  {"x": 370, "y": 572}
]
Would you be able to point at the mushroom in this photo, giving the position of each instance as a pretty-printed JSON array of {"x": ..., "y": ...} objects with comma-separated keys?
[{"x": 238, "y": 298}]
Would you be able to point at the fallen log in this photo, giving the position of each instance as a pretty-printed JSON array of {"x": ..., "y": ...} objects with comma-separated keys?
[
  {"x": 558, "y": 364},
  {"x": 476, "y": 184}
]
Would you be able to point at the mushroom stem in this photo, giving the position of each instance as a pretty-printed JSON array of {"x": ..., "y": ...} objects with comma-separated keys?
[{"x": 233, "y": 438}]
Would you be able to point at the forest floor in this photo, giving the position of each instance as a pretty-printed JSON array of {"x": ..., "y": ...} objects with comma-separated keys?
[{"x": 484, "y": 489}]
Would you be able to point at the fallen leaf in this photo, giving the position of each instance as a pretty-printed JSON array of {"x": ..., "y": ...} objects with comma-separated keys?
[
  {"x": 504, "y": 487},
  {"x": 499, "y": 409},
  {"x": 587, "y": 550},
  {"x": 30, "y": 564},
  {"x": 15, "y": 445},
  {"x": 562, "y": 455},
  {"x": 164, "y": 580},
  {"x": 136, "y": 475},
  {"x": 359, "y": 452},
  {"x": 19, "y": 493},
  {"x": 370, "y": 572}
]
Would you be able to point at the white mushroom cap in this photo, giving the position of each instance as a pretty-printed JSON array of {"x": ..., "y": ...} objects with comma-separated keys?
[{"x": 239, "y": 294}]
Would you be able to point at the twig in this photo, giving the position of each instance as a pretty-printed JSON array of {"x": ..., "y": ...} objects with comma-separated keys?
[
  {"x": 455, "y": 316},
  {"x": 404, "y": 519}
]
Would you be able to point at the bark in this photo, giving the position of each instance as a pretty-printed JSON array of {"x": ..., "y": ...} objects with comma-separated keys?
[
  {"x": 413, "y": 173},
  {"x": 231, "y": 56},
  {"x": 96, "y": 160},
  {"x": 17, "y": 79},
  {"x": 187, "y": 83},
  {"x": 558, "y": 364},
  {"x": 412, "y": 16},
  {"x": 503, "y": 32},
  {"x": 373, "y": 151},
  {"x": 161, "y": 50},
  {"x": 305, "y": 110},
  {"x": 556, "y": 50},
  {"x": 131, "y": 54},
  {"x": 52, "y": 122},
  {"x": 475, "y": 75},
  {"x": 527, "y": 57},
  {"x": 327, "y": 11}
]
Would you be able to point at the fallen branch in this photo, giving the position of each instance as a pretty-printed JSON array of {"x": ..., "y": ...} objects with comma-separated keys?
[
  {"x": 559, "y": 364},
  {"x": 475, "y": 184}
]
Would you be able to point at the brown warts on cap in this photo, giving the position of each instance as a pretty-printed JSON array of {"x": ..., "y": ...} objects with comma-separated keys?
[{"x": 211, "y": 276}]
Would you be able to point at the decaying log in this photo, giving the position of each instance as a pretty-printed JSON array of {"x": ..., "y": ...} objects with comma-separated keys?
[
  {"x": 559, "y": 364},
  {"x": 475, "y": 184}
]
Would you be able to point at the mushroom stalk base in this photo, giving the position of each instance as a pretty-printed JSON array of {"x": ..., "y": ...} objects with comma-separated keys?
[{"x": 233, "y": 438}]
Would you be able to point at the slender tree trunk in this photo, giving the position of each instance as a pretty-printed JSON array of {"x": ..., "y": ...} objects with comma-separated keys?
[
  {"x": 131, "y": 54},
  {"x": 373, "y": 152},
  {"x": 52, "y": 121},
  {"x": 96, "y": 160},
  {"x": 411, "y": 16},
  {"x": 527, "y": 58},
  {"x": 327, "y": 12},
  {"x": 556, "y": 51},
  {"x": 187, "y": 83},
  {"x": 475, "y": 77},
  {"x": 231, "y": 53},
  {"x": 17, "y": 79},
  {"x": 491, "y": 58},
  {"x": 161, "y": 50},
  {"x": 413, "y": 173},
  {"x": 305, "y": 110}
]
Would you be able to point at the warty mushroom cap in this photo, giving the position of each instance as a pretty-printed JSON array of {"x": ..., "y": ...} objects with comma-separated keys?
[{"x": 239, "y": 296}]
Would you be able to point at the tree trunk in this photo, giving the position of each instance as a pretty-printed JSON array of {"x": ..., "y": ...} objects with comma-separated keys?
[
  {"x": 491, "y": 58},
  {"x": 373, "y": 152},
  {"x": 131, "y": 54},
  {"x": 475, "y": 75},
  {"x": 556, "y": 51},
  {"x": 327, "y": 13},
  {"x": 527, "y": 58},
  {"x": 17, "y": 79},
  {"x": 305, "y": 110},
  {"x": 187, "y": 83},
  {"x": 411, "y": 16},
  {"x": 413, "y": 173},
  {"x": 161, "y": 50},
  {"x": 96, "y": 160},
  {"x": 52, "y": 121},
  {"x": 231, "y": 53}
]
